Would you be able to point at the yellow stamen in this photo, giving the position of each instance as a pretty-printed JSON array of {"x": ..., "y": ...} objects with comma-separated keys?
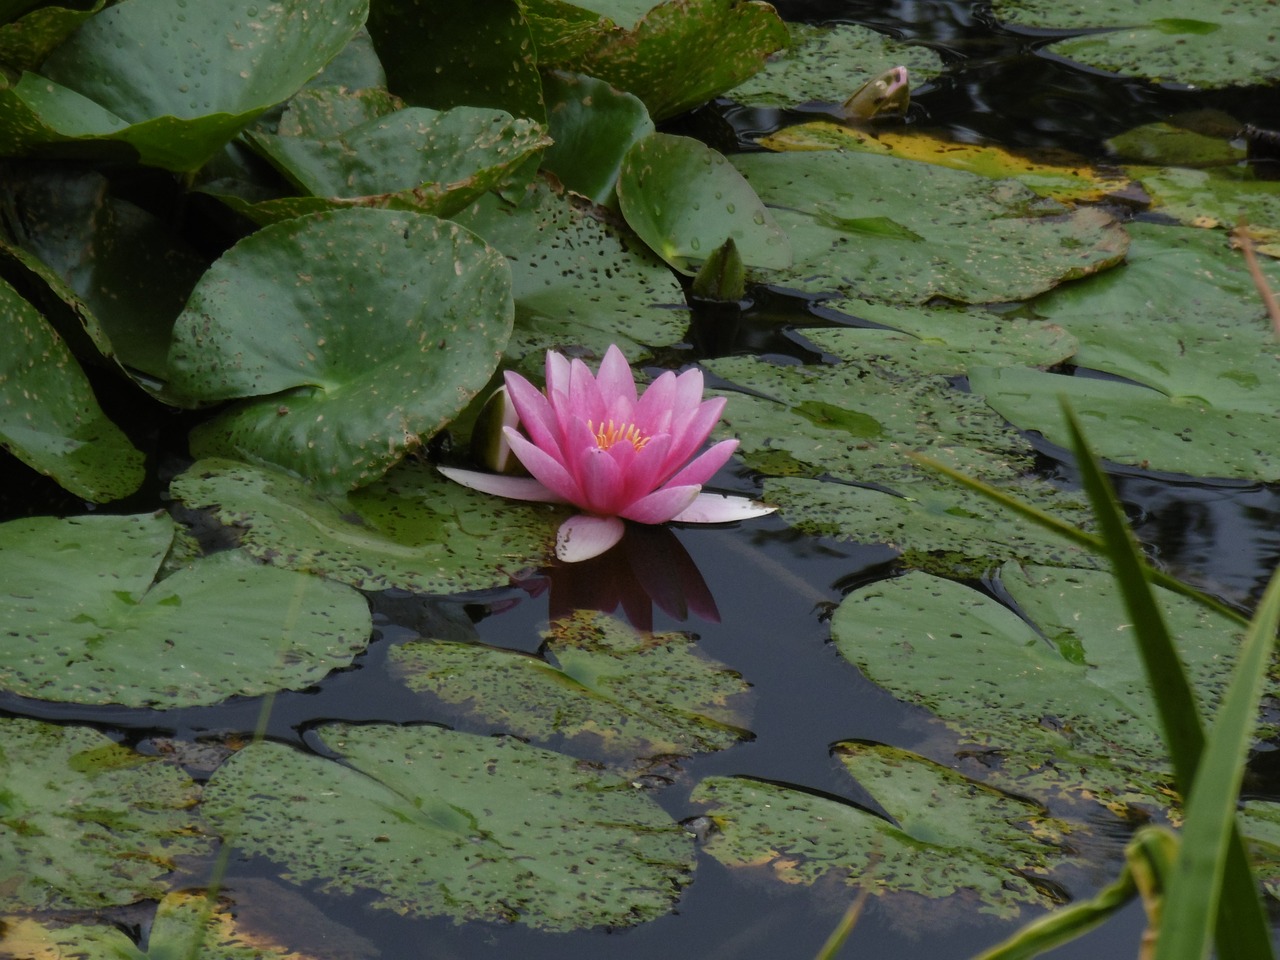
[{"x": 608, "y": 435}]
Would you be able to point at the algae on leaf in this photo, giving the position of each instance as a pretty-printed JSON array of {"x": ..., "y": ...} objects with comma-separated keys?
[
  {"x": 432, "y": 822},
  {"x": 87, "y": 823}
]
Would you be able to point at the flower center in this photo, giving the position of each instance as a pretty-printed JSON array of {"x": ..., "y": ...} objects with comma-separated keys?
[{"x": 609, "y": 434}]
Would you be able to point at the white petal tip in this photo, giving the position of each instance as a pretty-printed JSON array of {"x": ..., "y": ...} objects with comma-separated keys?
[
  {"x": 720, "y": 508},
  {"x": 502, "y": 485},
  {"x": 582, "y": 537}
]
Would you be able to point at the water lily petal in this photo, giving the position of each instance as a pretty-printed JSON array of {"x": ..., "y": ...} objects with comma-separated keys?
[
  {"x": 515, "y": 488},
  {"x": 545, "y": 468},
  {"x": 584, "y": 396},
  {"x": 536, "y": 414},
  {"x": 691, "y": 431},
  {"x": 705, "y": 466},
  {"x": 653, "y": 409},
  {"x": 617, "y": 385},
  {"x": 721, "y": 508},
  {"x": 582, "y": 537},
  {"x": 647, "y": 470},
  {"x": 557, "y": 368},
  {"x": 602, "y": 482},
  {"x": 661, "y": 505}
]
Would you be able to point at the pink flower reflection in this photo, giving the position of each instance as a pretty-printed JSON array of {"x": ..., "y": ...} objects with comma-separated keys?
[{"x": 594, "y": 442}]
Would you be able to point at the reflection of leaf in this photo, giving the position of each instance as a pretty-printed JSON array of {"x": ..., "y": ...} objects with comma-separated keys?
[
  {"x": 85, "y": 623},
  {"x": 603, "y": 686},
  {"x": 952, "y": 834},
  {"x": 413, "y": 529},
  {"x": 86, "y": 822},
  {"x": 1064, "y": 703},
  {"x": 436, "y": 822}
]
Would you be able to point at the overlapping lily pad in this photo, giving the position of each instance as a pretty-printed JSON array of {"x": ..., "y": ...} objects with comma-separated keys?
[
  {"x": 605, "y": 688},
  {"x": 413, "y": 529},
  {"x": 880, "y": 228},
  {"x": 431, "y": 822},
  {"x": 86, "y": 621},
  {"x": 387, "y": 325},
  {"x": 953, "y": 835},
  {"x": 1220, "y": 197},
  {"x": 1060, "y": 699},
  {"x": 49, "y": 417},
  {"x": 87, "y": 823},
  {"x": 1201, "y": 43},
  {"x": 174, "y": 81},
  {"x": 27, "y": 39}
]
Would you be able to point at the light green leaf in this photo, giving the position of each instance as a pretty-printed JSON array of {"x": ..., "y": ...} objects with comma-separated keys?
[
  {"x": 88, "y": 823},
  {"x": 431, "y": 822},
  {"x": 86, "y": 622}
]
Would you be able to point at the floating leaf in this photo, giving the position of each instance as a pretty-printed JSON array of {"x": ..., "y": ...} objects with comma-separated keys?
[
  {"x": 1218, "y": 197},
  {"x": 174, "y": 81},
  {"x": 435, "y": 822},
  {"x": 27, "y": 40},
  {"x": 1200, "y": 43},
  {"x": 388, "y": 325},
  {"x": 49, "y": 417},
  {"x": 88, "y": 823},
  {"x": 986, "y": 240},
  {"x": 413, "y": 529},
  {"x": 86, "y": 623},
  {"x": 1063, "y": 704},
  {"x": 684, "y": 200},
  {"x": 952, "y": 834},
  {"x": 829, "y": 63},
  {"x": 1174, "y": 144},
  {"x": 604, "y": 687}
]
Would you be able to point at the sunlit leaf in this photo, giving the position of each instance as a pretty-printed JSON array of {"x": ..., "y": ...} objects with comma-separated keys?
[
  {"x": 87, "y": 622},
  {"x": 1219, "y": 197},
  {"x": 87, "y": 822},
  {"x": 432, "y": 822}
]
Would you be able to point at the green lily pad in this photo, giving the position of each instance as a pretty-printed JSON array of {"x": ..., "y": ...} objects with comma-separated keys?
[
  {"x": 413, "y": 529},
  {"x": 1219, "y": 197},
  {"x": 49, "y": 416},
  {"x": 184, "y": 922},
  {"x": 952, "y": 834},
  {"x": 87, "y": 623},
  {"x": 879, "y": 228},
  {"x": 684, "y": 200},
  {"x": 88, "y": 823},
  {"x": 389, "y": 324},
  {"x": 27, "y": 40},
  {"x": 433, "y": 822},
  {"x": 1201, "y": 43},
  {"x": 174, "y": 81},
  {"x": 1173, "y": 144},
  {"x": 592, "y": 126},
  {"x": 829, "y": 63},
  {"x": 602, "y": 686},
  {"x": 675, "y": 56},
  {"x": 1060, "y": 700},
  {"x": 579, "y": 283},
  {"x": 412, "y": 159}
]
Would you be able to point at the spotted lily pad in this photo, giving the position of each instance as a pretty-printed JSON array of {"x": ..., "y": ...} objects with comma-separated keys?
[
  {"x": 86, "y": 622},
  {"x": 1059, "y": 700},
  {"x": 49, "y": 417},
  {"x": 413, "y": 529},
  {"x": 1220, "y": 197},
  {"x": 29, "y": 38},
  {"x": 388, "y": 325},
  {"x": 88, "y": 823},
  {"x": 951, "y": 833},
  {"x": 880, "y": 228},
  {"x": 432, "y": 822},
  {"x": 604, "y": 687}
]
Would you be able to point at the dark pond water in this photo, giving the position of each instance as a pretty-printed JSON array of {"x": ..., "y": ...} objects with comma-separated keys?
[{"x": 773, "y": 589}]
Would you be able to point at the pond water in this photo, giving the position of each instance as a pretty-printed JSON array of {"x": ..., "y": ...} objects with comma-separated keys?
[{"x": 774, "y": 590}]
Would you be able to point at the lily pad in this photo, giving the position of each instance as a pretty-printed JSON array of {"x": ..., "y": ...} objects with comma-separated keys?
[
  {"x": 413, "y": 529},
  {"x": 684, "y": 200},
  {"x": 28, "y": 39},
  {"x": 1219, "y": 197},
  {"x": 880, "y": 228},
  {"x": 829, "y": 63},
  {"x": 432, "y": 822},
  {"x": 389, "y": 324},
  {"x": 1200, "y": 43},
  {"x": 1058, "y": 700},
  {"x": 88, "y": 823},
  {"x": 87, "y": 623},
  {"x": 952, "y": 835},
  {"x": 605, "y": 688},
  {"x": 175, "y": 82},
  {"x": 579, "y": 283},
  {"x": 49, "y": 416}
]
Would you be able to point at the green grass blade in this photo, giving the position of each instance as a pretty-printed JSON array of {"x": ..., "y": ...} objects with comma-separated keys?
[{"x": 1196, "y": 890}]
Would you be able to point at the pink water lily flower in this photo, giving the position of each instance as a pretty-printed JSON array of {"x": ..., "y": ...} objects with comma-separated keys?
[{"x": 592, "y": 441}]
